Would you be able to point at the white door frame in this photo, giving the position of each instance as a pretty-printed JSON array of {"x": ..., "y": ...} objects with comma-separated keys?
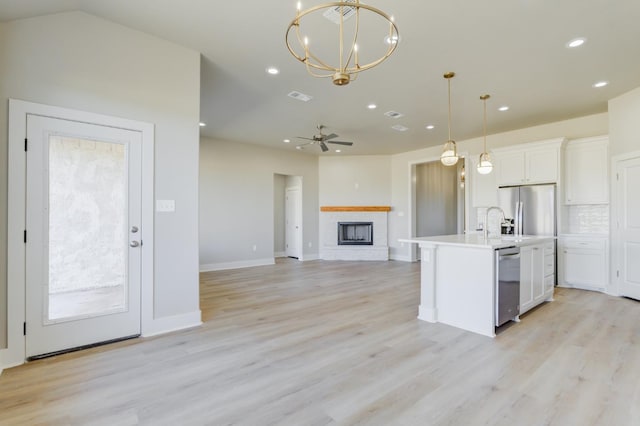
[
  {"x": 616, "y": 210},
  {"x": 297, "y": 206},
  {"x": 18, "y": 110},
  {"x": 412, "y": 202}
]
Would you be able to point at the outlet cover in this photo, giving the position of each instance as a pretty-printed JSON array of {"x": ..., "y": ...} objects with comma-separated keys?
[{"x": 165, "y": 205}]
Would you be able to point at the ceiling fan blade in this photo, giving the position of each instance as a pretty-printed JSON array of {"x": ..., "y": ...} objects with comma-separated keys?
[
  {"x": 324, "y": 147},
  {"x": 331, "y": 136},
  {"x": 302, "y": 137},
  {"x": 341, "y": 143}
]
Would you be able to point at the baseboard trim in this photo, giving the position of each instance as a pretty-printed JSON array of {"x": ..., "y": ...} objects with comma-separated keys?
[
  {"x": 236, "y": 265},
  {"x": 280, "y": 254},
  {"x": 172, "y": 323},
  {"x": 400, "y": 258},
  {"x": 306, "y": 257}
]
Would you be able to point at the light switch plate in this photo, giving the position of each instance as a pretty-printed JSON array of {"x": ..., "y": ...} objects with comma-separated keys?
[{"x": 165, "y": 205}]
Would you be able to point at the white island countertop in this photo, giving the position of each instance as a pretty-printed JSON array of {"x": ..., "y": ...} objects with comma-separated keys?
[{"x": 478, "y": 240}]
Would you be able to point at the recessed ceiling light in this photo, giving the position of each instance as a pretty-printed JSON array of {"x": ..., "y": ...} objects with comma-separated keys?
[
  {"x": 400, "y": 128},
  {"x": 286, "y": 141},
  {"x": 338, "y": 150},
  {"x": 372, "y": 106},
  {"x": 600, "y": 84},
  {"x": 430, "y": 127},
  {"x": 503, "y": 108},
  {"x": 273, "y": 70},
  {"x": 575, "y": 42},
  {"x": 202, "y": 124}
]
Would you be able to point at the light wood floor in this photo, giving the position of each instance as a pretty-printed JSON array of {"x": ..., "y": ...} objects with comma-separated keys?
[{"x": 338, "y": 343}]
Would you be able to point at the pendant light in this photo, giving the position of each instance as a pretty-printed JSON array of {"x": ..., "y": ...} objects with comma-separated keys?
[
  {"x": 484, "y": 164},
  {"x": 449, "y": 155}
]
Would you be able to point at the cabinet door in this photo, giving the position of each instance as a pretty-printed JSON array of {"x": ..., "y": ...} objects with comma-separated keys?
[
  {"x": 537, "y": 273},
  {"x": 542, "y": 166},
  {"x": 510, "y": 168},
  {"x": 484, "y": 189},
  {"x": 526, "y": 278},
  {"x": 584, "y": 268},
  {"x": 587, "y": 173}
]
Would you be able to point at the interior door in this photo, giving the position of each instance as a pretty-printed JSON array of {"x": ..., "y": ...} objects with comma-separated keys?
[
  {"x": 293, "y": 225},
  {"x": 83, "y": 237},
  {"x": 628, "y": 176}
]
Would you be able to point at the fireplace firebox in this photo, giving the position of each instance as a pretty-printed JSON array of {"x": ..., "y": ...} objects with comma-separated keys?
[{"x": 355, "y": 233}]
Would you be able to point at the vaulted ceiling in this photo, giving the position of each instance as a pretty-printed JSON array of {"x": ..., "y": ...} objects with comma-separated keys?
[{"x": 514, "y": 50}]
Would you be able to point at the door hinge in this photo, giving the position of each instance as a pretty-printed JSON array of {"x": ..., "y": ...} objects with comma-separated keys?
[
  {"x": 24, "y": 328},
  {"x": 618, "y": 274},
  {"x": 25, "y": 235},
  {"x": 617, "y": 176},
  {"x": 25, "y": 144}
]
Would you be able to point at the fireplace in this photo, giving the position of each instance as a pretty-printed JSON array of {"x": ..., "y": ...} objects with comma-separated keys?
[{"x": 355, "y": 233}]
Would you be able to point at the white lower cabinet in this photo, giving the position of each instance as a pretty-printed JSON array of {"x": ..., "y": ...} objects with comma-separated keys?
[
  {"x": 537, "y": 274},
  {"x": 583, "y": 263}
]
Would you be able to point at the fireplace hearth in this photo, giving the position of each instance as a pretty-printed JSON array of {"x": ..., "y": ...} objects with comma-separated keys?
[{"x": 355, "y": 233}]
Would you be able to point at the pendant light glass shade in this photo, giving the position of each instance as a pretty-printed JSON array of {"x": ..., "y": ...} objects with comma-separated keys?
[
  {"x": 449, "y": 155},
  {"x": 484, "y": 164}
]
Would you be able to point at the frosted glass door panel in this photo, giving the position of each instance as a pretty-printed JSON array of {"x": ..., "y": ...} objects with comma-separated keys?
[{"x": 87, "y": 228}]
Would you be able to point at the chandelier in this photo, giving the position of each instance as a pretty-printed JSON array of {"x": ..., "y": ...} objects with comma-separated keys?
[
  {"x": 484, "y": 164},
  {"x": 342, "y": 61},
  {"x": 449, "y": 155}
]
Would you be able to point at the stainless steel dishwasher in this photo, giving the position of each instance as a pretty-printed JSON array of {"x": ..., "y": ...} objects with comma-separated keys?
[{"x": 508, "y": 285}]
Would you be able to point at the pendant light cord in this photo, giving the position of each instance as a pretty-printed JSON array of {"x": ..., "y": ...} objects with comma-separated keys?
[
  {"x": 484, "y": 127},
  {"x": 449, "y": 85}
]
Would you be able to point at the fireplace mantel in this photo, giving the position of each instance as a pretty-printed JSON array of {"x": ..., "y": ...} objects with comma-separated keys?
[{"x": 355, "y": 208}]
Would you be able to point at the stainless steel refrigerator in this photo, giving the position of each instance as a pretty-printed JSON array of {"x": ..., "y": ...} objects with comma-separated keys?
[{"x": 529, "y": 209}]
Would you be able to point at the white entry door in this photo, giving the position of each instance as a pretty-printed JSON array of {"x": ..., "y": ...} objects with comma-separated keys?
[
  {"x": 628, "y": 176},
  {"x": 83, "y": 246},
  {"x": 293, "y": 226}
]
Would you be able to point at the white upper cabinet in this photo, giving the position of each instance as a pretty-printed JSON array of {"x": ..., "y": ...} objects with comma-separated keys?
[
  {"x": 587, "y": 171},
  {"x": 528, "y": 164}
]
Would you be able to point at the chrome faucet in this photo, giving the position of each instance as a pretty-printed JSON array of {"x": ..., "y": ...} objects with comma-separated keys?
[{"x": 485, "y": 228}]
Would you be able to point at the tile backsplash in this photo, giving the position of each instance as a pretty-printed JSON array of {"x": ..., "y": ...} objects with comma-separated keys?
[{"x": 587, "y": 219}]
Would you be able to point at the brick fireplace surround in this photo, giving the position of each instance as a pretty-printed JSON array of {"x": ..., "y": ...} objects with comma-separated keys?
[{"x": 329, "y": 218}]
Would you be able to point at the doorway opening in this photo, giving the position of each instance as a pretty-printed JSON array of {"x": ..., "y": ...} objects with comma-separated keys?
[
  {"x": 287, "y": 216},
  {"x": 438, "y": 200}
]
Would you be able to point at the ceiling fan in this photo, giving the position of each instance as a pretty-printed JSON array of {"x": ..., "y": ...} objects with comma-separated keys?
[{"x": 322, "y": 140}]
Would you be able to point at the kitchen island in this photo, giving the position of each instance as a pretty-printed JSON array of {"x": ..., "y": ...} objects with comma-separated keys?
[{"x": 458, "y": 277}]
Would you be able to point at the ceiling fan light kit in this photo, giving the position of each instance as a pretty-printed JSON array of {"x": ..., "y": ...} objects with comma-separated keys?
[
  {"x": 348, "y": 63},
  {"x": 322, "y": 140}
]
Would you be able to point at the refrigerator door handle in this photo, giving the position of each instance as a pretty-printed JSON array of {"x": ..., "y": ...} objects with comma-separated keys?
[{"x": 520, "y": 217}]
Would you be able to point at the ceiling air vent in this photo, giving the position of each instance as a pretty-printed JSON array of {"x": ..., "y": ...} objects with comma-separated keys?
[
  {"x": 333, "y": 13},
  {"x": 393, "y": 114},
  {"x": 299, "y": 96},
  {"x": 400, "y": 128}
]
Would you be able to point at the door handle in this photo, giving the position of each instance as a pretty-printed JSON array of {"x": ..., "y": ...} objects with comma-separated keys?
[{"x": 134, "y": 244}]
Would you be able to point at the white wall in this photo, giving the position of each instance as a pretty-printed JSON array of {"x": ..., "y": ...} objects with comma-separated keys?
[
  {"x": 624, "y": 123},
  {"x": 279, "y": 190},
  {"x": 355, "y": 180},
  {"x": 237, "y": 202},
  {"x": 78, "y": 61},
  {"x": 399, "y": 219}
]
